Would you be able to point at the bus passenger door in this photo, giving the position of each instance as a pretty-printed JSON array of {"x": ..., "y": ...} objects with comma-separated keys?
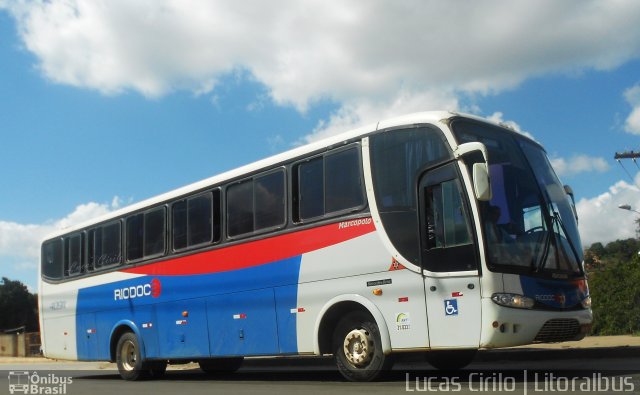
[{"x": 449, "y": 260}]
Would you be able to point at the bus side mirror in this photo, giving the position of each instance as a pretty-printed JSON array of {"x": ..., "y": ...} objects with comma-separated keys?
[{"x": 481, "y": 183}]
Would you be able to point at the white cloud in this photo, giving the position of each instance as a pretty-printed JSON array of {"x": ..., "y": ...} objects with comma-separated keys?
[
  {"x": 21, "y": 242},
  {"x": 579, "y": 164},
  {"x": 365, "y": 56},
  {"x": 632, "y": 123},
  {"x": 601, "y": 219},
  {"x": 362, "y": 112},
  {"x": 497, "y": 117}
]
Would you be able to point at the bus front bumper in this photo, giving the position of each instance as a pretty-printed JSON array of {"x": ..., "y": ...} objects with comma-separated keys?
[{"x": 507, "y": 327}]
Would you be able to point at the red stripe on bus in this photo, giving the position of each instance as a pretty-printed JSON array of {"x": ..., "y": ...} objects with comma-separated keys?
[{"x": 259, "y": 252}]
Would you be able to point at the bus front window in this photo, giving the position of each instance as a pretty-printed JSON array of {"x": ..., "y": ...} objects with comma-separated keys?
[{"x": 528, "y": 225}]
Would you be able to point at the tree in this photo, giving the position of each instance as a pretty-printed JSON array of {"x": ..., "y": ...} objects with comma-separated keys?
[
  {"x": 18, "y": 307},
  {"x": 614, "y": 275}
]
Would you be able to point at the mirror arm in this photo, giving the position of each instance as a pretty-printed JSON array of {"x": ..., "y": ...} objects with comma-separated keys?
[{"x": 466, "y": 148}]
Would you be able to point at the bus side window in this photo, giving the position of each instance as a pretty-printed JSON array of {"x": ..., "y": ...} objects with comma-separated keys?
[
  {"x": 74, "y": 262},
  {"x": 269, "y": 200},
  {"x": 256, "y": 204},
  {"x": 146, "y": 234},
  {"x": 343, "y": 181},
  {"x": 196, "y": 220},
  {"x": 200, "y": 224},
  {"x": 446, "y": 231},
  {"x": 328, "y": 185},
  {"x": 154, "y": 232},
  {"x": 240, "y": 208},
  {"x": 310, "y": 189},
  {"x": 135, "y": 234},
  {"x": 446, "y": 218},
  {"x": 217, "y": 216},
  {"x": 106, "y": 243},
  {"x": 435, "y": 234}
]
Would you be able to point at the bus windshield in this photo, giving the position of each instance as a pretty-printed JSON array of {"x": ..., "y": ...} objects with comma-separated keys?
[{"x": 529, "y": 225}]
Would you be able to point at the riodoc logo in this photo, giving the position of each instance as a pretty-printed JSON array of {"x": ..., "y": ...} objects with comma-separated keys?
[{"x": 153, "y": 288}]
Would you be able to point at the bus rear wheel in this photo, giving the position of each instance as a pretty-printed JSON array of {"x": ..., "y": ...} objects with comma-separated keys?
[
  {"x": 129, "y": 359},
  {"x": 358, "y": 348}
]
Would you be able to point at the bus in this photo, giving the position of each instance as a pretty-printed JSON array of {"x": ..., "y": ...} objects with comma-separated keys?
[{"x": 437, "y": 233}]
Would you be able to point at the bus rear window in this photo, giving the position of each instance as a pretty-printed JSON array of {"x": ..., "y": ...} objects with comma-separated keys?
[{"x": 52, "y": 260}]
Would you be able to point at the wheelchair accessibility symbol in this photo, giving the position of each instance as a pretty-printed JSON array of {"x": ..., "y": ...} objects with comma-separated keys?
[{"x": 450, "y": 307}]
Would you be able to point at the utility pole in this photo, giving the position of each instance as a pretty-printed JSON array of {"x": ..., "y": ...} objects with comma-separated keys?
[
  {"x": 633, "y": 155},
  {"x": 626, "y": 155}
]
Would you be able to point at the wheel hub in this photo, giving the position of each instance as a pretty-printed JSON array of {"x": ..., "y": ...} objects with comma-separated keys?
[
  {"x": 129, "y": 355},
  {"x": 358, "y": 347}
]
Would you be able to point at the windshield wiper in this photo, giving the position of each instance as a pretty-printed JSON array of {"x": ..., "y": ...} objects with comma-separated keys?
[
  {"x": 571, "y": 245},
  {"x": 545, "y": 252},
  {"x": 556, "y": 220},
  {"x": 550, "y": 219}
]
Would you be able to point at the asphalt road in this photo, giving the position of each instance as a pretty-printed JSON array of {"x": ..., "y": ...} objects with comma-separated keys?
[{"x": 515, "y": 372}]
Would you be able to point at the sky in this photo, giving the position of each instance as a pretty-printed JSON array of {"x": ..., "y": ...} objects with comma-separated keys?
[{"x": 104, "y": 103}]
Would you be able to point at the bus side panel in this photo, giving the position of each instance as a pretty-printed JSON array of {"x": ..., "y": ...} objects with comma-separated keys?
[
  {"x": 87, "y": 339},
  {"x": 145, "y": 319},
  {"x": 337, "y": 272},
  {"x": 59, "y": 319},
  {"x": 155, "y": 304},
  {"x": 182, "y": 329},
  {"x": 98, "y": 311},
  {"x": 287, "y": 312},
  {"x": 60, "y": 338},
  {"x": 243, "y": 323}
]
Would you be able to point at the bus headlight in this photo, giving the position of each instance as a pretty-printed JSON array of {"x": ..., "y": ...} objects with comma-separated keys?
[
  {"x": 586, "y": 302},
  {"x": 513, "y": 300}
]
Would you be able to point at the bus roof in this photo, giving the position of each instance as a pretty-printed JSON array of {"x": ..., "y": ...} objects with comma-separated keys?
[{"x": 409, "y": 119}]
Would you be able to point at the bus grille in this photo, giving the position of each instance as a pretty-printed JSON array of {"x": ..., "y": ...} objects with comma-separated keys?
[{"x": 558, "y": 330}]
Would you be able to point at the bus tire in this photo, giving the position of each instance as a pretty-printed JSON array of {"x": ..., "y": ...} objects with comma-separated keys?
[
  {"x": 358, "y": 348},
  {"x": 129, "y": 359},
  {"x": 220, "y": 365},
  {"x": 451, "y": 359}
]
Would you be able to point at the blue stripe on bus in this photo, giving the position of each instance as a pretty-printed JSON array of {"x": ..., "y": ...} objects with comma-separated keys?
[
  {"x": 240, "y": 312},
  {"x": 555, "y": 293}
]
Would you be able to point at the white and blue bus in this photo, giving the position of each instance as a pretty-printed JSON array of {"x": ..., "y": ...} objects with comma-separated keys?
[{"x": 434, "y": 232}]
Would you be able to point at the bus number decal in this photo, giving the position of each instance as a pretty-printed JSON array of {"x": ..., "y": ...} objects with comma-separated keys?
[{"x": 403, "y": 321}]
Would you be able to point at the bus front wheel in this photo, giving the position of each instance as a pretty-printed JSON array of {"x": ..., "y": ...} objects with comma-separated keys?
[
  {"x": 358, "y": 348},
  {"x": 128, "y": 358}
]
